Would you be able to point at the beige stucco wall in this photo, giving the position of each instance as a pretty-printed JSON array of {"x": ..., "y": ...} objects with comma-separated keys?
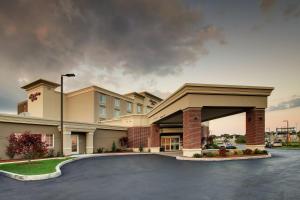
[
  {"x": 35, "y": 108},
  {"x": 199, "y": 100},
  {"x": 110, "y": 106},
  {"x": 128, "y": 121},
  {"x": 105, "y": 138},
  {"x": 80, "y": 108},
  {"x": 8, "y": 128}
]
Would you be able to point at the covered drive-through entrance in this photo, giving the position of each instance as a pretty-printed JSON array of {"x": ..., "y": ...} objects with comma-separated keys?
[{"x": 194, "y": 104}]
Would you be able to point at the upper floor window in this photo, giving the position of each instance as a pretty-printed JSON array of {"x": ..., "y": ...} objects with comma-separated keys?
[
  {"x": 102, "y": 99},
  {"x": 139, "y": 108},
  {"x": 117, "y": 103},
  {"x": 129, "y": 107},
  {"x": 102, "y": 112},
  {"x": 116, "y": 113}
]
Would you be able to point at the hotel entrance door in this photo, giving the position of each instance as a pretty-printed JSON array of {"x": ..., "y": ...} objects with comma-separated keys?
[{"x": 170, "y": 143}]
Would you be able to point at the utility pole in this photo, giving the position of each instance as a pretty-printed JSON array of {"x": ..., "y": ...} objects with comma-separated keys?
[
  {"x": 287, "y": 131},
  {"x": 62, "y": 107}
]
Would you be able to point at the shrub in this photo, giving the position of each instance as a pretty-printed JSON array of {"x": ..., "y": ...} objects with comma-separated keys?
[
  {"x": 210, "y": 154},
  {"x": 212, "y": 146},
  {"x": 123, "y": 141},
  {"x": 113, "y": 147},
  {"x": 59, "y": 154},
  {"x": 118, "y": 150},
  {"x": 50, "y": 153},
  {"x": 197, "y": 155},
  {"x": 11, "y": 149},
  {"x": 257, "y": 151},
  {"x": 238, "y": 152},
  {"x": 231, "y": 147},
  {"x": 222, "y": 151},
  {"x": 141, "y": 148},
  {"x": 100, "y": 150},
  {"x": 28, "y": 145},
  {"x": 247, "y": 152}
]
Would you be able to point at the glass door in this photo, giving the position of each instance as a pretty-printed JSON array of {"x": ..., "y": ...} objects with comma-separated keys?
[
  {"x": 170, "y": 143},
  {"x": 74, "y": 146}
]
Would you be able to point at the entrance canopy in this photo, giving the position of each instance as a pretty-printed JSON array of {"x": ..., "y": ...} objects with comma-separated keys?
[{"x": 216, "y": 101}]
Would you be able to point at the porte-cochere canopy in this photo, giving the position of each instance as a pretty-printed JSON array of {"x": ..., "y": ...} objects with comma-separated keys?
[{"x": 193, "y": 104}]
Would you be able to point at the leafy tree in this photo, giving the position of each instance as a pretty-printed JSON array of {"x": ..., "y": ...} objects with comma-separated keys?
[
  {"x": 29, "y": 146},
  {"x": 240, "y": 139},
  {"x": 11, "y": 149}
]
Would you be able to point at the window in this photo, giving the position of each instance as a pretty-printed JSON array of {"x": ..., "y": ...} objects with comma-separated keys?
[
  {"x": 102, "y": 108},
  {"x": 139, "y": 108},
  {"x": 117, "y": 103},
  {"x": 102, "y": 99},
  {"x": 117, "y": 113},
  {"x": 129, "y": 107},
  {"x": 102, "y": 112},
  {"x": 49, "y": 140}
]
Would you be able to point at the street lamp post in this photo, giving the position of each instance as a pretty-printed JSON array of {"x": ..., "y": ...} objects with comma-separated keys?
[
  {"x": 62, "y": 105},
  {"x": 287, "y": 131}
]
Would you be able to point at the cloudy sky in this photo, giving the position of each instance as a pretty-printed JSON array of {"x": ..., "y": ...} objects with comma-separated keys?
[{"x": 154, "y": 45}]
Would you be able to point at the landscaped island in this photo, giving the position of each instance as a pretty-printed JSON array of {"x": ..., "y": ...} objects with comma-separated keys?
[
  {"x": 223, "y": 152},
  {"x": 35, "y": 167}
]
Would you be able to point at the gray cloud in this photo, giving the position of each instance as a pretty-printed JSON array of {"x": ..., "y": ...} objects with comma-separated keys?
[
  {"x": 292, "y": 10},
  {"x": 46, "y": 38},
  {"x": 266, "y": 5},
  {"x": 137, "y": 36},
  {"x": 293, "y": 103}
]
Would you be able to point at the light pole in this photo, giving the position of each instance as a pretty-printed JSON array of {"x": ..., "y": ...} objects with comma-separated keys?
[
  {"x": 62, "y": 106},
  {"x": 287, "y": 131}
]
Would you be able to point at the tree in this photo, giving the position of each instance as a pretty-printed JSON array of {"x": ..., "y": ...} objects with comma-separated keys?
[
  {"x": 27, "y": 145},
  {"x": 11, "y": 149},
  {"x": 240, "y": 139}
]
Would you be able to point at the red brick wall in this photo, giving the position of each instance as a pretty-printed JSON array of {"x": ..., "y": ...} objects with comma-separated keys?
[
  {"x": 154, "y": 136},
  {"x": 255, "y": 127},
  {"x": 192, "y": 128},
  {"x": 144, "y": 136},
  {"x": 138, "y": 136}
]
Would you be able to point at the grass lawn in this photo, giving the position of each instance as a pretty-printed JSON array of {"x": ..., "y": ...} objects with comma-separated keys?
[{"x": 33, "y": 168}]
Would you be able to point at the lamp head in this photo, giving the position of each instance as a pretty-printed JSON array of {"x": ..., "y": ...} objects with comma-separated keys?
[{"x": 69, "y": 75}]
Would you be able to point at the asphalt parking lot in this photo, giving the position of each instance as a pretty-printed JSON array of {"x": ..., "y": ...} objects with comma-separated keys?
[{"x": 155, "y": 177}]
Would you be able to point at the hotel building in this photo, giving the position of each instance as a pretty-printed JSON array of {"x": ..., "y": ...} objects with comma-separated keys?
[{"x": 95, "y": 117}]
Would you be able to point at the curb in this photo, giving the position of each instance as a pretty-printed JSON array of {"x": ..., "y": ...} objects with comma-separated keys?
[
  {"x": 57, "y": 173},
  {"x": 223, "y": 159}
]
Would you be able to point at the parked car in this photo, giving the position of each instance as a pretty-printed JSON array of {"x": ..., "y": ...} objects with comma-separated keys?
[{"x": 277, "y": 144}]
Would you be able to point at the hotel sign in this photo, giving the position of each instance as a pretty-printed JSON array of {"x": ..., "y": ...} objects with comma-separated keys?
[{"x": 33, "y": 97}]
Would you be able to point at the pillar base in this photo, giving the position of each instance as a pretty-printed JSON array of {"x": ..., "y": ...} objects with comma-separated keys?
[
  {"x": 191, "y": 152},
  {"x": 255, "y": 146},
  {"x": 154, "y": 149}
]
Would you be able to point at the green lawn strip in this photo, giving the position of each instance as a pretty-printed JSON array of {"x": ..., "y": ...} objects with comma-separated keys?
[{"x": 33, "y": 168}]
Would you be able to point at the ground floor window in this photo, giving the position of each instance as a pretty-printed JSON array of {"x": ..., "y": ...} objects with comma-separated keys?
[
  {"x": 170, "y": 143},
  {"x": 49, "y": 140}
]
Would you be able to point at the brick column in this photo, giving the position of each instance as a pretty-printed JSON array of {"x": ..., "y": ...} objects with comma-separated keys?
[
  {"x": 154, "y": 138},
  {"x": 255, "y": 128},
  {"x": 191, "y": 132}
]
